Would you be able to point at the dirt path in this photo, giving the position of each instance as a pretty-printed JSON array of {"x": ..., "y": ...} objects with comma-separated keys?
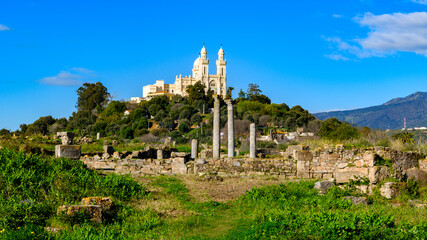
[
  {"x": 223, "y": 191},
  {"x": 182, "y": 219}
]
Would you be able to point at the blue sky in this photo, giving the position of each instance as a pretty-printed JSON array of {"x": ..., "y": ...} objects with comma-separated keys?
[{"x": 322, "y": 55}]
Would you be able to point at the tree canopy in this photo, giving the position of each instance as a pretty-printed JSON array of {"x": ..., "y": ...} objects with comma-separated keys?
[{"x": 92, "y": 96}]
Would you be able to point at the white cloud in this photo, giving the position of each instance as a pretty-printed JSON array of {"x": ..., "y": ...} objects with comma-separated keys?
[
  {"x": 389, "y": 34},
  {"x": 420, "y": 1},
  {"x": 336, "y": 57},
  {"x": 336, "y": 16},
  {"x": 84, "y": 71},
  {"x": 349, "y": 48},
  {"x": 4, "y": 28},
  {"x": 73, "y": 77},
  {"x": 395, "y": 32}
]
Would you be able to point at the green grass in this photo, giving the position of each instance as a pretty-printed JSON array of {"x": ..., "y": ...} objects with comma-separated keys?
[
  {"x": 32, "y": 187},
  {"x": 290, "y": 211},
  {"x": 184, "y": 148}
]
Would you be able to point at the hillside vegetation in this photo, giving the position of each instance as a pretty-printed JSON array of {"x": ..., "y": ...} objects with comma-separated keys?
[
  {"x": 186, "y": 118},
  {"x": 181, "y": 118}
]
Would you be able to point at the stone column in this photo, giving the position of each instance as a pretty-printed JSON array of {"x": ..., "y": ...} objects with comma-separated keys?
[
  {"x": 194, "y": 148},
  {"x": 252, "y": 141},
  {"x": 159, "y": 153},
  {"x": 230, "y": 115},
  {"x": 98, "y": 136},
  {"x": 66, "y": 137},
  {"x": 216, "y": 129}
]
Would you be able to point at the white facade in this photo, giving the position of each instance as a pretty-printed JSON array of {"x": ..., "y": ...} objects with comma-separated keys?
[
  {"x": 200, "y": 72},
  {"x": 136, "y": 99},
  {"x": 159, "y": 88}
]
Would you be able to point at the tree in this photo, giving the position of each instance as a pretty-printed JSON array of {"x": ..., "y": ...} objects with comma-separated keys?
[
  {"x": 138, "y": 113},
  {"x": 198, "y": 98},
  {"x": 126, "y": 132},
  {"x": 140, "y": 123},
  {"x": 23, "y": 128},
  {"x": 365, "y": 131},
  {"x": 114, "y": 107},
  {"x": 261, "y": 98},
  {"x": 4, "y": 132},
  {"x": 168, "y": 123},
  {"x": 99, "y": 127},
  {"x": 228, "y": 95},
  {"x": 404, "y": 137},
  {"x": 253, "y": 90},
  {"x": 160, "y": 115},
  {"x": 184, "y": 126},
  {"x": 40, "y": 126},
  {"x": 92, "y": 96},
  {"x": 242, "y": 94},
  {"x": 81, "y": 119},
  {"x": 154, "y": 109},
  {"x": 196, "y": 92},
  {"x": 161, "y": 101},
  {"x": 196, "y": 118}
]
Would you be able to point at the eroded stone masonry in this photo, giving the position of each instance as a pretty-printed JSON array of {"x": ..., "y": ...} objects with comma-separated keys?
[{"x": 298, "y": 161}]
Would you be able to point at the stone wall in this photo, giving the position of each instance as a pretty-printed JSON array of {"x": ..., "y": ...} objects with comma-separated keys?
[{"x": 297, "y": 162}]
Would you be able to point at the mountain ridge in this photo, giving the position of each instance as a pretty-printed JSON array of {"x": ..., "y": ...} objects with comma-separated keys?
[{"x": 389, "y": 115}]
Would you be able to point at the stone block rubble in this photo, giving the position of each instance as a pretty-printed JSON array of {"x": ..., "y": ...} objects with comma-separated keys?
[{"x": 91, "y": 208}]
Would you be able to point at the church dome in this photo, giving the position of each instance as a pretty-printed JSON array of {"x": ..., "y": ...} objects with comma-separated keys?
[
  {"x": 203, "y": 51},
  {"x": 197, "y": 62}
]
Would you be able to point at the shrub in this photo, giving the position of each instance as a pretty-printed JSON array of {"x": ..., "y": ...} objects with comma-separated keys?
[
  {"x": 266, "y": 144},
  {"x": 335, "y": 130}
]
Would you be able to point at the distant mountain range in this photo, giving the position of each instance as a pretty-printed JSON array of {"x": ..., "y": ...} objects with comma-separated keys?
[{"x": 389, "y": 115}]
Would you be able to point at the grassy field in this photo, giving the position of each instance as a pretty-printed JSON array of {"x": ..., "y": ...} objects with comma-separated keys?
[{"x": 167, "y": 207}]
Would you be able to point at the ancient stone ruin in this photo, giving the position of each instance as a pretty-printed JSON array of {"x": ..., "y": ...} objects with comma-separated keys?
[
  {"x": 92, "y": 208},
  {"x": 67, "y": 150},
  {"x": 328, "y": 162}
]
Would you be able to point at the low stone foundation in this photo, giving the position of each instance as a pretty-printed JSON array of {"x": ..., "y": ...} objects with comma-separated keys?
[{"x": 375, "y": 164}]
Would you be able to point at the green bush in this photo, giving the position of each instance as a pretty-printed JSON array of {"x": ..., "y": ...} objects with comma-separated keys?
[
  {"x": 333, "y": 129},
  {"x": 266, "y": 144}
]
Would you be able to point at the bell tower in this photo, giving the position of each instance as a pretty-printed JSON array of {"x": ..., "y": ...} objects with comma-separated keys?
[{"x": 221, "y": 63}]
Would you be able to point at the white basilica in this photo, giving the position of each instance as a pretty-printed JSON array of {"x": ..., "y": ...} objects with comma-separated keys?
[{"x": 217, "y": 82}]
